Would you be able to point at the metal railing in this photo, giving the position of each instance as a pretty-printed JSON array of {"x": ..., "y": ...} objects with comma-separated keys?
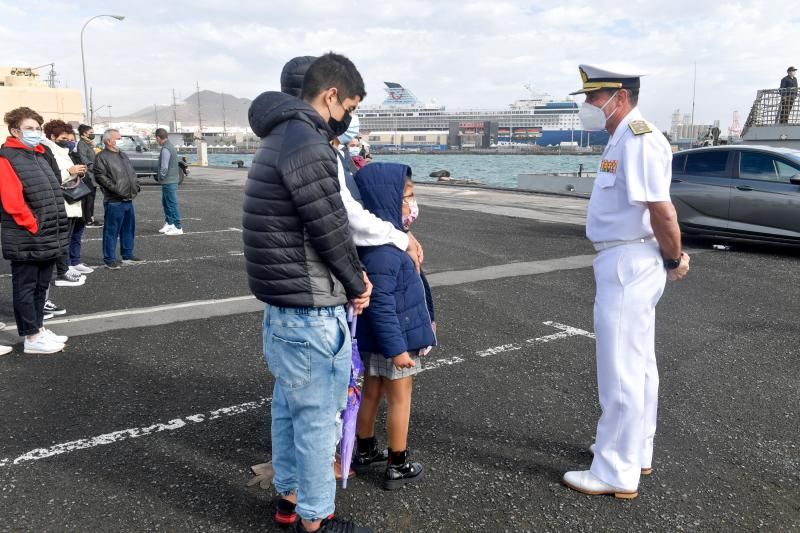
[{"x": 775, "y": 106}]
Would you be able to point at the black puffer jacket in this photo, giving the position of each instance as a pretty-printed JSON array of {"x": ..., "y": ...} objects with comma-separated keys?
[
  {"x": 293, "y": 73},
  {"x": 297, "y": 243},
  {"x": 41, "y": 192},
  {"x": 116, "y": 177}
]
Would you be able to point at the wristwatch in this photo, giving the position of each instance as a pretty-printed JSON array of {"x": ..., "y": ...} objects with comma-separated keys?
[{"x": 672, "y": 264}]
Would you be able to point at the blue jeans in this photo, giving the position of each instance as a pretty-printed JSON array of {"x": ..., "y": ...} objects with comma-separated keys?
[
  {"x": 308, "y": 352},
  {"x": 169, "y": 200},
  {"x": 119, "y": 224},
  {"x": 75, "y": 242}
]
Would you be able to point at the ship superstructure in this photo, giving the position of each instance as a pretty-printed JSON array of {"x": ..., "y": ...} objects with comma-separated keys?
[{"x": 402, "y": 122}]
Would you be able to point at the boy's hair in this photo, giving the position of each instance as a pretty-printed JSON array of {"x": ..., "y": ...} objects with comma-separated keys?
[
  {"x": 333, "y": 70},
  {"x": 162, "y": 134},
  {"x": 15, "y": 117}
]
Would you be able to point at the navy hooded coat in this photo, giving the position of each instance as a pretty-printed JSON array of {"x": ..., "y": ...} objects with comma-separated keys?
[{"x": 397, "y": 319}]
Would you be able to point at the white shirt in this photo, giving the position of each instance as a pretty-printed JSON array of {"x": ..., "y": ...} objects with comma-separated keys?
[
  {"x": 365, "y": 228},
  {"x": 635, "y": 170}
]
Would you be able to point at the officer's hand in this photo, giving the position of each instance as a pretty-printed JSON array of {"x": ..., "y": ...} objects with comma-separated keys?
[
  {"x": 403, "y": 361},
  {"x": 679, "y": 273},
  {"x": 361, "y": 302},
  {"x": 415, "y": 251}
]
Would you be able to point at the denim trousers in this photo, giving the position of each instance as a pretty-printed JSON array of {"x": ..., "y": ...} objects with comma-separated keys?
[
  {"x": 169, "y": 200},
  {"x": 119, "y": 224},
  {"x": 308, "y": 351}
]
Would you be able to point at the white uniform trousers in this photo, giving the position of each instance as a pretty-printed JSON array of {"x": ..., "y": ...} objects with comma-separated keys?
[{"x": 630, "y": 280}]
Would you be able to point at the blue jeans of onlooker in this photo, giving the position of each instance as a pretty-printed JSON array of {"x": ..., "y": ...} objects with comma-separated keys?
[
  {"x": 75, "y": 242},
  {"x": 119, "y": 224},
  {"x": 308, "y": 351},
  {"x": 169, "y": 200}
]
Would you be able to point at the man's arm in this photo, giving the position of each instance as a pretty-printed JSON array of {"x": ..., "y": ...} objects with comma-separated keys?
[
  {"x": 664, "y": 220},
  {"x": 309, "y": 175},
  {"x": 162, "y": 171}
]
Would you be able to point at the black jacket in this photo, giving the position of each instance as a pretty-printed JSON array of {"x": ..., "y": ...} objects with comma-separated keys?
[
  {"x": 788, "y": 82},
  {"x": 115, "y": 175},
  {"x": 297, "y": 244},
  {"x": 41, "y": 191}
]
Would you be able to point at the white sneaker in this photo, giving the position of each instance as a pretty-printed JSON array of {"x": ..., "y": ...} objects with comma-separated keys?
[
  {"x": 174, "y": 231},
  {"x": 62, "y": 339},
  {"x": 5, "y": 349},
  {"x": 586, "y": 482},
  {"x": 82, "y": 269},
  {"x": 166, "y": 228},
  {"x": 43, "y": 345},
  {"x": 70, "y": 278}
]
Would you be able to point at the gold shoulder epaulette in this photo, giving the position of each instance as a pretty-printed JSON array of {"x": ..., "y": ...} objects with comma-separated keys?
[{"x": 640, "y": 127}]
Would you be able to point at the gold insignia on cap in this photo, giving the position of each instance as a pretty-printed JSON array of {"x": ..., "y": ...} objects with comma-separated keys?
[
  {"x": 640, "y": 127},
  {"x": 584, "y": 77}
]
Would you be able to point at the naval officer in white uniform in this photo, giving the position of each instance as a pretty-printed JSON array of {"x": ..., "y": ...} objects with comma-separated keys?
[{"x": 633, "y": 226}]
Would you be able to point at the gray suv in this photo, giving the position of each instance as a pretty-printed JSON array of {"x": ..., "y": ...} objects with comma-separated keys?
[
  {"x": 144, "y": 161},
  {"x": 740, "y": 191}
]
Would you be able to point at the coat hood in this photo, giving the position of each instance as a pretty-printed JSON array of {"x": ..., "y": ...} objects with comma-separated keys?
[
  {"x": 271, "y": 108},
  {"x": 381, "y": 186},
  {"x": 293, "y": 73}
]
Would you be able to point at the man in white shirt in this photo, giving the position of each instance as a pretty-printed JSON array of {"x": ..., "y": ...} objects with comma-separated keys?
[{"x": 633, "y": 226}]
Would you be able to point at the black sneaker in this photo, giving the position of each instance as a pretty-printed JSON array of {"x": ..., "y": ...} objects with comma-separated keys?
[
  {"x": 285, "y": 514},
  {"x": 400, "y": 473},
  {"x": 132, "y": 260},
  {"x": 335, "y": 525},
  {"x": 50, "y": 307},
  {"x": 114, "y": 265},
  {"x": 364, "y": 459}
]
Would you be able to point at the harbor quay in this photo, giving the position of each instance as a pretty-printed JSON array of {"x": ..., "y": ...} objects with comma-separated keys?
[{"x": 154, "y": 414}]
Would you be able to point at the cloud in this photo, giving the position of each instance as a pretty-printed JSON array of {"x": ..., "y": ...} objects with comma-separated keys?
[{"x": 464, "y": 54}]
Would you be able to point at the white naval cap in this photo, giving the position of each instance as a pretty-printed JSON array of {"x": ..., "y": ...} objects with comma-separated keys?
[{"x": 595, "y": 79}]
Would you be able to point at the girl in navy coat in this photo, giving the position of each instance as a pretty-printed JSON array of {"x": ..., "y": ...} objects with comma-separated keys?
[{"x": 394, "y": 330}]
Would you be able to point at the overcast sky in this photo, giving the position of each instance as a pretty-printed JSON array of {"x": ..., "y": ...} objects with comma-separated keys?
[{"x": 462, "y": 53}]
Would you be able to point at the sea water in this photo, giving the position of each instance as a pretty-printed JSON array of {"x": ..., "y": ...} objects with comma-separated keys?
[{"x": 492, "y": 170}]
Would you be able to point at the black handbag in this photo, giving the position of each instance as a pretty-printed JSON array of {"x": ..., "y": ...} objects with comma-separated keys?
[{"x": 76, "y": 193}]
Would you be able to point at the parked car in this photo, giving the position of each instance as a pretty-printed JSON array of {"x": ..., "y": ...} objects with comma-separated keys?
[
  {"x": 144, "y": 160},
  {"x": 739, "y": 191}
]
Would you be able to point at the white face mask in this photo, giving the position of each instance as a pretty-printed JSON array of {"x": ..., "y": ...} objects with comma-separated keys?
[{"x": 592, "y": 117}]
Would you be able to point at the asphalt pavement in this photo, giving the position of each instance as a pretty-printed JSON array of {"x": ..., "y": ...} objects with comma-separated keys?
[{"x": 151, "y": 418}]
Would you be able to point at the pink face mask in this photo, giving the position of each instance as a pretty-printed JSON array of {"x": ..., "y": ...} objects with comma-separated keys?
[{"x": 413, "y": 212}]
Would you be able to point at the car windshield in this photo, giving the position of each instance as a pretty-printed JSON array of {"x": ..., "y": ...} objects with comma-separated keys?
[{"x": 126, "y": 144}]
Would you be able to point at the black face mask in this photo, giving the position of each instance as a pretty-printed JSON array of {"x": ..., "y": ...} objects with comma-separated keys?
[
  {"x": 339, "y": 126},
  {"x": 91, "y": 136},
  {"x": 63, "y": 144}
]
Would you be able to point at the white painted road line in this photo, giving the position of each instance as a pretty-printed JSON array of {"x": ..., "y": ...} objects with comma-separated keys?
[
  {"x": 179, "y": 423},
  {"x": 159, "y": 235}
]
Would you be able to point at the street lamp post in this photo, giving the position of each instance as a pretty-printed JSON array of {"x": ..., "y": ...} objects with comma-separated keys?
[{"x": 83, "y": 63}]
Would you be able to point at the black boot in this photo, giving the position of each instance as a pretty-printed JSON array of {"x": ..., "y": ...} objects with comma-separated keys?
[
  {"x": 400, "y": 471},
  {"x": 367, "y": 454}
]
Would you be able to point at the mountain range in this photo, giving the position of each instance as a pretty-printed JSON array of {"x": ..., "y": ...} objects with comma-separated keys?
[{"x": 211, "y": 111}]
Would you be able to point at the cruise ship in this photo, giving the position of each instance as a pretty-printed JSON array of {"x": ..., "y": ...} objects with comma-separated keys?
[{"x": 401, "y": 122}]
